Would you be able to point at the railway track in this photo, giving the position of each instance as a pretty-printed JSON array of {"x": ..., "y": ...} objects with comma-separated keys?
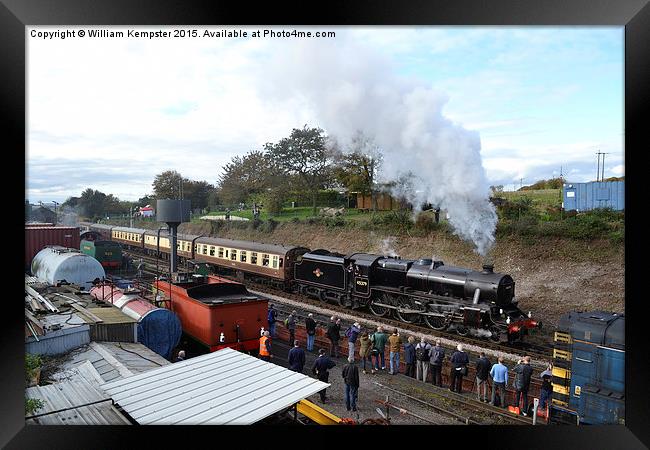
[
  {"x": 538, "y": 351},
  {"x": 459, "y": 407}
]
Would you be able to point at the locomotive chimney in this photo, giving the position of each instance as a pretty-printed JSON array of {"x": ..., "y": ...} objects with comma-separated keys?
[{"x": 488, "y": 268}]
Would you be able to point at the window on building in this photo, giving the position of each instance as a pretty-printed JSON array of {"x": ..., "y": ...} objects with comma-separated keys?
[
  {"x": 242, "y": 256},
  {"x": 253, "y": 258},
  {"x": 233, "y": 255},
  {"x": 265, "y": 260},
  {"x": 220, "y": 252}
]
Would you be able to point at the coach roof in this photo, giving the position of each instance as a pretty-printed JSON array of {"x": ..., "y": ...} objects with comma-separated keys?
[{"x": 244, "y": 245}]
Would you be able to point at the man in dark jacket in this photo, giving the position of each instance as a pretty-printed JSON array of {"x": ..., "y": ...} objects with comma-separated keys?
[
  {"x": 546, "y": 391},
  {"x": 483, "y": 366},
  {"x": 310, "y": 326},
  {"x": 523, "y": 372},
  {"x": 321, "y": 368},
  {"x": 296, "y": 358},
  {"x": 334, "y": 334},
  {"x": 272, "y": 319},
  {"x": 409, "y": 357},
  {"x": 291, "y": 326},
  {"x": 437, "y": 356},
  {"x": 459, "y": 362},
  {"x": 351, "y": 377}
]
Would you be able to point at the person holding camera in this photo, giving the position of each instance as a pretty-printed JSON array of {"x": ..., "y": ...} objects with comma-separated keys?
[{"x": 459, "y": 362}]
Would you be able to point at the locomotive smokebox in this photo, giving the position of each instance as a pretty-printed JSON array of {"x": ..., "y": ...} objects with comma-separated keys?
[{"x": 488, "y": 268}]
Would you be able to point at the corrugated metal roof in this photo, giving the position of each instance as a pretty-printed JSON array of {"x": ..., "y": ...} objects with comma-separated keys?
[
  {"x": 69, "y": 394},
  {"x": 224, "y": 387},
  {"x": 112, "y": 360}
]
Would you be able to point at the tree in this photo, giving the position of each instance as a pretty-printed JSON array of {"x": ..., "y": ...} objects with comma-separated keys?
[
  {"x": 358, "y": 168},
  {"x": 304, "y": 155},
  {"x": 167, "y": 185},
  {"x": 148, "y": 199},
  {"x": 251, "y": 174},
  {"x": 71, "y": 202},
  {"x": 92, "y": 203},
  {"x": 197, "y": 193}
]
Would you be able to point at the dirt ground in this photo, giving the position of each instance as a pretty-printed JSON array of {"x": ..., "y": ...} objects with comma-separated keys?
[{"x": 553, "y": 276}]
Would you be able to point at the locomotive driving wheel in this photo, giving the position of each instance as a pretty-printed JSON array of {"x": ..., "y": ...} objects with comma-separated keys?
[
  {"x": 436, "y": 322},
  {"x": 462, "y": 330},
  {"x": 495, "y": 333},
  {"x": 380, "y": 311},
  {"x": 403, "y": 303}
]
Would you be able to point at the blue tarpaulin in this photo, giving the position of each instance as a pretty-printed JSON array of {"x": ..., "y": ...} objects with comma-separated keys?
[{"x": 160, "y": 330}]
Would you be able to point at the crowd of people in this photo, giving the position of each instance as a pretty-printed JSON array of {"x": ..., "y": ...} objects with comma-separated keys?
[{"x": 420, "y": 359}]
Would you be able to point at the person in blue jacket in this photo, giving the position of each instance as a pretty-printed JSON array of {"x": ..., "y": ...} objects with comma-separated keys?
[
  {"x": 409, "y": 357},
  {"x": 272, "y": 319},
  {"x": 296, "y": 358}
]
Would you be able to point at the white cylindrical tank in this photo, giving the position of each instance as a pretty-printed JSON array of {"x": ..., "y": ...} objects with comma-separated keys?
[{"x": 55, "y": 264}]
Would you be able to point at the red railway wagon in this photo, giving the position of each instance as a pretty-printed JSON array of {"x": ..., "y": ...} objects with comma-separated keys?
[
  {"x": 37, "y": 238},
  {"x": 217, "y": 312}
]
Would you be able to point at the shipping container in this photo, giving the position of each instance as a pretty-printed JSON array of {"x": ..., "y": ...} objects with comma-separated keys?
[
  {"x": 37, "y": 238},
  {"x": 587, "y": 196}
]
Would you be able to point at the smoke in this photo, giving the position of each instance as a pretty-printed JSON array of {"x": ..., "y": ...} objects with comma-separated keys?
[
  {"x": 388, "y": 247},
  {"x": 351, "y": 89},
  {"x": 68, "y": 216}
]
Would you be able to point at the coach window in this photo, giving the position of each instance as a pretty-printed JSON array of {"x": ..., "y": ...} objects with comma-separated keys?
[
  {"x": 233, "y": 255},
  {"x": 253, "y": 258},
  {"x": 205, "y": 249},
  {"x": 280, "y": 262},
  {"x": 227, "y": 253},
  {"x": 212, "y": 250},
  {"x": 242, "y": 256},
  {"x": 265, "y": 260},
  {"x": 275, "y": 262},
  {"x": 220, "y": 252},
  {"x": 196, "y": 248}
]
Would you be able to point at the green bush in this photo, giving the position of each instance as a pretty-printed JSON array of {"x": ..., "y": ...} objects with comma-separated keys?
[
  {"x": 32, "y": 405},
  {"x": 32, "y": 364}
]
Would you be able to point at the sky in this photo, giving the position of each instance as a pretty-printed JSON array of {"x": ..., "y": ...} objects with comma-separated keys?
[{"x": 109, "y": 113}]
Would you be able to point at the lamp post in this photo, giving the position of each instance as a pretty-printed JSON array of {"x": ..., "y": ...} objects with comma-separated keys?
[{"x": 56, "y": 217}]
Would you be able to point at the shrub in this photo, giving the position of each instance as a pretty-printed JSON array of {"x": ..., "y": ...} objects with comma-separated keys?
[
  {"x": 32, "y": 364},
  {"x": 32, "y": 405}
]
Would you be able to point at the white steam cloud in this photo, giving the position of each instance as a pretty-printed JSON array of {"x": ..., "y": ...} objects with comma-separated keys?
[
  {"x": 351, "y": 90},
  {"x": 387, "y": 247}
]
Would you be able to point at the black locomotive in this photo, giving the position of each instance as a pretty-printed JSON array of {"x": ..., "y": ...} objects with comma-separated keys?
[{"x": 417, "y": 290}]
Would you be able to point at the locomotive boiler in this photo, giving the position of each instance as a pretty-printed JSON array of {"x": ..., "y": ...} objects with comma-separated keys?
[{"x": 417, "y": 290}]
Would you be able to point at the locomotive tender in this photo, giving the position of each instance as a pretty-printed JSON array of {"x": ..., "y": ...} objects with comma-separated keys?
[{"x": 413, "y": 290}]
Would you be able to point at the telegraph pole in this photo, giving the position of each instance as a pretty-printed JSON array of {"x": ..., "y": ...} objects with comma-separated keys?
[
  {"x": 598, "y": 170},
  {"x": 602, "y": 178}
]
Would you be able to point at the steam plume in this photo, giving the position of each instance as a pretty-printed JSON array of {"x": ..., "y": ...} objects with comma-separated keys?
[{"x": 351, "y": 89}]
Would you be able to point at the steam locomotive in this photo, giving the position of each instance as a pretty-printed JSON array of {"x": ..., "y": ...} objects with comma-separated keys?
[
  {"x": 417, "y": 290},
  {"x": 424, "y": 290}
]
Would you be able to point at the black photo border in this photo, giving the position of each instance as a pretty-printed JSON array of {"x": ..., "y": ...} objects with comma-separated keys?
[{"x": 15, "y": 15}]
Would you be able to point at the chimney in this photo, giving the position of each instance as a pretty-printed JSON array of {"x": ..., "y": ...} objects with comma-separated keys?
[{"x": 488, "y": 268}]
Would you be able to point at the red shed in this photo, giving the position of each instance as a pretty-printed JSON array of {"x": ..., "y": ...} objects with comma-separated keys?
[
  {"x": 38, "y": 237},
  {"x": 217, "y": 312}
]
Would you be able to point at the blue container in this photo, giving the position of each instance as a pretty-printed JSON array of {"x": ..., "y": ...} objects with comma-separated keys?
[{"x": 587, "y": 196}]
